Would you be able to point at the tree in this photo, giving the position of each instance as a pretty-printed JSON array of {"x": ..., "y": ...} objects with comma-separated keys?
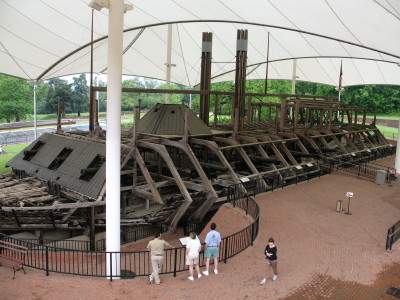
[
  {"x": 384, "y": 98},
  {"x": 59, "y": 90},
  {"x": 80, "y": 94},
  {"x": 16, "y": 98}
]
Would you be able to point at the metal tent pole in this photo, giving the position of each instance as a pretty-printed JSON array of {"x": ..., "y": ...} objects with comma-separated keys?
[
  {"x": 397, "y": 159},
  {"x": 34, "y": 110},
  {"x": 113, "y": 138},
  {"x": 168, "y": 64}
]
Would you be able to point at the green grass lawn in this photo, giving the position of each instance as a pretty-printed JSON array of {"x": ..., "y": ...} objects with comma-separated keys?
[
  {"x": 390, "y": 132},
  {"x": 12, "y": 151},
  {"x": 393, "y": 116}
]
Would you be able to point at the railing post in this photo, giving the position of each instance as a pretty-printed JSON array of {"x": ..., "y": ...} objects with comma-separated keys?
[
  {"x": 234, "y": 197},
  {"x": 247, "y": 204},
  {"x": 226, "y": 249},
  {"x": 252, "y": 233},
  {"x": 47, "y": 261},
  {"x": 176, "y": 257},
  {"x": 111, "y": 268}
]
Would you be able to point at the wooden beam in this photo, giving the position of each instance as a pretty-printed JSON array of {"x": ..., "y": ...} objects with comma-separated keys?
[{"x": 57, "y": 206}]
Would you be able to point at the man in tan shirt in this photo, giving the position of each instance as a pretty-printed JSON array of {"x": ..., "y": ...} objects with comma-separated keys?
[{"x": 156, "y": 247}]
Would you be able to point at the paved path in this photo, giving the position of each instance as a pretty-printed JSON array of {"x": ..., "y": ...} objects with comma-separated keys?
[{"x": 323, "y": 254}]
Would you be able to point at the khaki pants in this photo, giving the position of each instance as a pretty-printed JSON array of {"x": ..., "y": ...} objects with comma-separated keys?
[
  {"x": 156, "y": 263},
  {"x": 274, "y": 265}
]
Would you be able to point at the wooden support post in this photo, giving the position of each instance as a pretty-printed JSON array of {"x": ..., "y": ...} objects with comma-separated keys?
[
  {"x": 185, "y": 137},
  {"x": 123, "y": 203},
  {"x": 96, "y": 113},
  {"x": 249, "y": 110},
  {"x": 342, "y": 120},
  {"x": 306, "y": 125},
  {"x": 311, "y": 119},
  {"x": 364, "y": 116},
  {"x": 321, "y": 115},
  {"x": 355, "y": 117},
  {"x": 374, "y": 122},
  {"x": 216, "y": 111},
  {"x": 330, "y": 119},
  {"x": 282, "y": 119},
  {"x": 240, "y": 78},
  {"x": 92, "y": 232},
  {"x": 205, "y": 76},
  {"x": 59, "y": 113},
  {"x": 236, "y": 125},
  {"x": 296, "y": 114}
]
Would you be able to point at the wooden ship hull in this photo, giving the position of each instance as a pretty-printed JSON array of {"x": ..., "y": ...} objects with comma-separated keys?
[
  {"x": 175, "y": 166},
  {"x": 59, "y": 180}
]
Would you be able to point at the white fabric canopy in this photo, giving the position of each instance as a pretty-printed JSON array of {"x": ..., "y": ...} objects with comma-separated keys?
[{"x": 42, "y": 39}]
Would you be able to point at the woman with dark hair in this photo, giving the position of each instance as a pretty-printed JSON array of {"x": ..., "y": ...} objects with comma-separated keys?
[{"x": 272, "y": 259}]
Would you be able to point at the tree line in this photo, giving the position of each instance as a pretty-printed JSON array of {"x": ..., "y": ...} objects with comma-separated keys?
[{"x": 16, "y": 95}]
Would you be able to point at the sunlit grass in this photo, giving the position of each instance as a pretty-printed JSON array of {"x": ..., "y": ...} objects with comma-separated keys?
[{"x": 12, "y": 151}]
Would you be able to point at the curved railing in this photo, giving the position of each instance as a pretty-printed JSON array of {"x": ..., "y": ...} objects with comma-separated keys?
[{"x": 134, "y": 263}]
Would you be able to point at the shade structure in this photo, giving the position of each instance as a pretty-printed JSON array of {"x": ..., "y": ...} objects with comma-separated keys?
[{"x": 42, "y": 39}]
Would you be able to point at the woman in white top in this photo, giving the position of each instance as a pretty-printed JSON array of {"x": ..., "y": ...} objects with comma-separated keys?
[{"x": 193, "y": 248}]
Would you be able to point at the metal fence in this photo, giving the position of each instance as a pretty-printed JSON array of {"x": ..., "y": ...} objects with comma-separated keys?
[
  {"x": 367, "y": 171},
  {"x": 393, "y": 235},
  {"x": 24, "y": 139},
  {"x": 132, "y": 235},
  {"x": 390, "y": 135},
  {"x": 100, "y": 245},
  {"x": 270, "y": 182},
  {"x": 52, "y": 258}
]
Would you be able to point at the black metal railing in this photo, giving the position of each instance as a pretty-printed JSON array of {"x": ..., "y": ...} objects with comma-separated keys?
[
  {"x": 100, "y": 245},
  {"x": 393, "y": 235},
  {"x": 66, "y": 244},
  {"x": 270, "y": 182},
  {"x": 51, "y": 258},
  {"x": 366, "y": 171},
  {"x": 132, "y": 235},
  {"x": 360, "y": 164}
]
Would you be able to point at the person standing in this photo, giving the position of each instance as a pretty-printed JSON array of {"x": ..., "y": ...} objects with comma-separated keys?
[
  {"x": 156, "y": 247},
  {"x": 272, "y": 259},
  {"x": 211, "y": 248},
  {"x": 193, "y": 248}
]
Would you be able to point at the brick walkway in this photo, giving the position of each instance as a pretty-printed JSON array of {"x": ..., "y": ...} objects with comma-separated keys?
[{"x": 323, "y": 254}]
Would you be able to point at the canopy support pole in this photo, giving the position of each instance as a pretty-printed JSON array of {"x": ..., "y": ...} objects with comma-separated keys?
[
  {"x": 294, "y": 77},
  {"x": 168, "y": 64},
  {"x": 397, "y": 159},
  {"x": 113, "y": 138},
  {"x": 266, "y": 69},
  {"x": 34, "y": 111},
  {"x": 91, "y": 100}
]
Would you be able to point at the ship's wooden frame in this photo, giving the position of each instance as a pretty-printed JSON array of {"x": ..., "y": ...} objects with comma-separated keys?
[{"x": 179, "y": 170}]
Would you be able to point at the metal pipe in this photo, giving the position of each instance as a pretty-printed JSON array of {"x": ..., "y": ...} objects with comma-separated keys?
[
  {"x": 168, "y": 64},
  {"x": 113, "y": 138}
]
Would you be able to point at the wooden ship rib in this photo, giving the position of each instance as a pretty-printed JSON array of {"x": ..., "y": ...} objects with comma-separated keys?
[{"x": 175, "y": 166}]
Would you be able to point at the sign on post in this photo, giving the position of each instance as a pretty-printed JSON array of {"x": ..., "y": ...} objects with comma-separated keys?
[{"x": 348, "y": 195}]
